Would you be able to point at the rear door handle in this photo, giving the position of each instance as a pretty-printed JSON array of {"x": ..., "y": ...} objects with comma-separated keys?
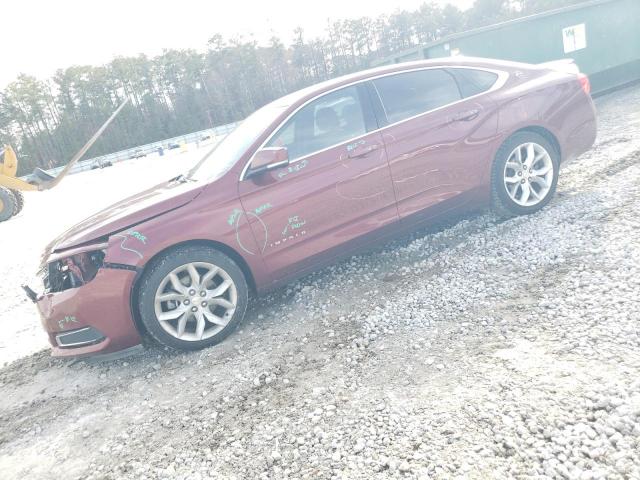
[
  {"x": 466, "y": 116},
  {"x": 362, "y": 150}
]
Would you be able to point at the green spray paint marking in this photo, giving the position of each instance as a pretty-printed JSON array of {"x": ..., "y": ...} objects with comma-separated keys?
[
  {"x": 296, "y": 167},
  {"x": 234, "y": 221},
  {"x": 131, "y": 233},
  {"x": 137, "y": 235},
  {"x": 263, "y": 208},
  {"x": 66, "y": 320},
  {"x": 355, "y": 145},
  {"x": 234, "y": 216},
  {"x": 295, "y": 223}
]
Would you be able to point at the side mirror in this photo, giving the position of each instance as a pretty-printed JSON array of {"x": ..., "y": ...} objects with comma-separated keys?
[{"x": 268, "y": 158}]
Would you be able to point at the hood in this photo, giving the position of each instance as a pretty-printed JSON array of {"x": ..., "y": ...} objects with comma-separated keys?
[{"x": 127, "y": 213}]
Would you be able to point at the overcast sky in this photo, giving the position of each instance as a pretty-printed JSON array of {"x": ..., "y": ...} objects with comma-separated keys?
[{"x": 39, "y": 36}]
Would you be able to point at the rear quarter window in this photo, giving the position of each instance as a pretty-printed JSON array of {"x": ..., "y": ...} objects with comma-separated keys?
[
  {"x": 472, "y": 82},
  {"x": 407, "y": 94}
]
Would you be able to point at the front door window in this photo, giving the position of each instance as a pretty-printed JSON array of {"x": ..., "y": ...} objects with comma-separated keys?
[{"x": 323, "y": 123}]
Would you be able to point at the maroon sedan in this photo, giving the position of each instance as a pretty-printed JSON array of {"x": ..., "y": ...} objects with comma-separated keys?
[{"x": 312, "y": 177}]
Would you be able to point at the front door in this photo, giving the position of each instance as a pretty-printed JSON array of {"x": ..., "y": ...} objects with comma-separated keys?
[{"x": 336, "y": 189}]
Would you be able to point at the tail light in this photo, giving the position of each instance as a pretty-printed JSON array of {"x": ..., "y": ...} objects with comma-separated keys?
[{"x": 584, "y": 83}]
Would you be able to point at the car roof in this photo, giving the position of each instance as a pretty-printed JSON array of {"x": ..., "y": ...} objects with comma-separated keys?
[{"x": 458, "y": 61}]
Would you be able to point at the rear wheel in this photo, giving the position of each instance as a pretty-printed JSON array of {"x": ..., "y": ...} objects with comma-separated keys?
[
  {"x": 192, "y": 298},
  {"x": 7, "y": 204},
  {"x": 524, "y": 175},
  {"x": 19, "y": 200}
]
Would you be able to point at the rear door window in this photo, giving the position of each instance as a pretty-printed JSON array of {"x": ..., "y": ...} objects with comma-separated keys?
[
  {"x": 327, "y": 121},
  {"x": 408, "y": 94},
  {"x": 473, "y": 82}
]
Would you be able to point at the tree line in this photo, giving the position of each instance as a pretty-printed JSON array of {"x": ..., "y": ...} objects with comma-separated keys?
[{"x": 182, "y": 91}]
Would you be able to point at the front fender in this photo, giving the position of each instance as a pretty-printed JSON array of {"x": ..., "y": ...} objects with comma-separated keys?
[{"x": 205, "y": 219}]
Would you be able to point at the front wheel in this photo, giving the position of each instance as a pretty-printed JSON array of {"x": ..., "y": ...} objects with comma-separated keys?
[
  {"x": 192, "y": 298},
  {"x": 525, "y": 174},
  {"x": 7, "y": 204},
  {"x": 17, "y": 194}
]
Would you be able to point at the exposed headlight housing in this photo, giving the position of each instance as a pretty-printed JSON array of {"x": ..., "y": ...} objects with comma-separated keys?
[{"x": 72, "y": 271}]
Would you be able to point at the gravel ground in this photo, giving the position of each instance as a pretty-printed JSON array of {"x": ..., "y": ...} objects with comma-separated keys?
[{"x": 478, "y": 349}]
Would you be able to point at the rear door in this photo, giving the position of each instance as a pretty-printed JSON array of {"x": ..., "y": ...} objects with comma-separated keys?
[
  {"x": 336, "y": 189},
  {"x": 437, "y": 141}
]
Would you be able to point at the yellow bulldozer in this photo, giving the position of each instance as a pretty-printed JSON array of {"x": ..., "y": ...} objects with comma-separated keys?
[
  {"x": 11, "y": 187},
  {"x": 11, "y": 199}
]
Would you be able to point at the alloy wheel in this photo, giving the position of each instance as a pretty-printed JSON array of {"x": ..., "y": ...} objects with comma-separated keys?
[
  {"x": 195, "y": 301},
  {"x": 528, "y": 174}
]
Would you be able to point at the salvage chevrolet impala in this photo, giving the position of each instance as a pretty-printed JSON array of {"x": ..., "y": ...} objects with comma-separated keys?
[{"x": 309, "y": 178}]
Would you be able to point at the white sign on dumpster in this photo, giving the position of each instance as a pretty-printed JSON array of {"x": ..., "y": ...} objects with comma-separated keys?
[{"x": 574, "y": 38}]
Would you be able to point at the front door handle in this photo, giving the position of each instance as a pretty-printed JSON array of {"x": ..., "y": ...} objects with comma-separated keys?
[
  {"x": 466, "y": 116},
  {"x": 362, "y": 150}
]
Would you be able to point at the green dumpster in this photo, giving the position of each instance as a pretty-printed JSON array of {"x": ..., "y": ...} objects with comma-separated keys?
[{"x": 602, "y": 36}]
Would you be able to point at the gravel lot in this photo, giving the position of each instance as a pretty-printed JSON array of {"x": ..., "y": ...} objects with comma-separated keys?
[{"x": 479, "y": 349}]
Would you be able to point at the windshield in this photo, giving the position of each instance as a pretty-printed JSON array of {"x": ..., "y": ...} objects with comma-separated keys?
[{"x": 234, "y": 145}]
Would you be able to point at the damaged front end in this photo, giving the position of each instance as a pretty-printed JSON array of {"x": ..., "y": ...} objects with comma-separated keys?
[
  {"x": 62, "y": 272},
  {"x": 85, "y": 303},
  {"x": 88, "y": 273}
]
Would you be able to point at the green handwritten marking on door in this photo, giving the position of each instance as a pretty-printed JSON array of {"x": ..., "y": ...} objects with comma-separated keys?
[
  {"x": 263, "y": 208},
  {"x": 234, "y": 216},
  {"x": 296, "y": 167},
  {"x": 292, "y": 236},
  {"x": 294, "y": 223}
]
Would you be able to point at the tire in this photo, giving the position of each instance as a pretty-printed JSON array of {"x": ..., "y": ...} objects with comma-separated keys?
[
  {"x": 156, "y": 282},
  {"x": 504, "y": 200},
  {"x": 8, "y": 204},
  {"x": 19, "y": 200}
]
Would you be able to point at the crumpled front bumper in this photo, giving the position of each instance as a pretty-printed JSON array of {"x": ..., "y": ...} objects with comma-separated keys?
[{"x": 94, "y": 318}]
